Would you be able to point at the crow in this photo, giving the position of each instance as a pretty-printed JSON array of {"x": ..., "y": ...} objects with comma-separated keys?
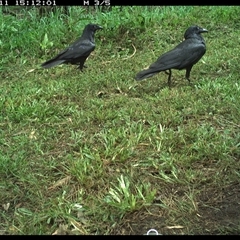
[
  {"x": 183, "y": 56},
  {"x": 78, "y": 52}
]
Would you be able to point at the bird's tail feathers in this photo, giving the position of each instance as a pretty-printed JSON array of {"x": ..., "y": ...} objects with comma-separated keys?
[
  {"x": 52, "y": 63},
  {"x": 145, "y": 74}
]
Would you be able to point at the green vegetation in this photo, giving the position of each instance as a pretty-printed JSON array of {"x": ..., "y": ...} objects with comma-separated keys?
[{"x": 99, "y": 153}]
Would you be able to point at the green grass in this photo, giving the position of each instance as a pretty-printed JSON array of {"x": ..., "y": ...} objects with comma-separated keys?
[{"x": 88, "y": 153}]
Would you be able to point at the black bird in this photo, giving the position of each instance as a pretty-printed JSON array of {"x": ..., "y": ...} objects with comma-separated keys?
[
  {"x": 183, "y": 56},
  {"x": 77, "y": 52}
]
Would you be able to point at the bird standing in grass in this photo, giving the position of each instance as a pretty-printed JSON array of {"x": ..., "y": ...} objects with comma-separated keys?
[
  {"x": 183, "y": 56},
  {"x": 78, "y": 52}
]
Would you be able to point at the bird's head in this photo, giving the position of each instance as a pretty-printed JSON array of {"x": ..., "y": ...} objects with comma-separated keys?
[
  {"x": 94, "y": 27},
  {"x": 194, "y": 30}
]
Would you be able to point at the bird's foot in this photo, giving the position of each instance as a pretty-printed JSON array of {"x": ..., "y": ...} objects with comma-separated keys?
[
  {"x": 81, "y": 67},
  {"x": 190, "y": 83}
]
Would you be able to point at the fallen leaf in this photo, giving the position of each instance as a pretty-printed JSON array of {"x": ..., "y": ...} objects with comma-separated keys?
[
  {"x": 175, "y": 227},
  {"x": 78, "y": 227},
  {"x": 32, "y": 135},
  {"x": 60, "y": 183},
  {"x": 62, "y": 230},
  {"x": 100, "y": 94},
  {"x": 6, "y": 206}
]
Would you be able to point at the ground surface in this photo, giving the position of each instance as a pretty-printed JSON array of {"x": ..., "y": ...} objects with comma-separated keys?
[
  {"x": 68, "y": 137},
  {"x": 218, "y": 212}
]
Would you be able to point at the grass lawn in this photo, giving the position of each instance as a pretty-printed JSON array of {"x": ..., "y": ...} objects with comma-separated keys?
[{"x": 97, "y": 152}]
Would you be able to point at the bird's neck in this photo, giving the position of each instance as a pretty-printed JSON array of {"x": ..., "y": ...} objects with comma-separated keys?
[
  {"x": 87, "y": 35},
  {"x": 198, "y": 37}
]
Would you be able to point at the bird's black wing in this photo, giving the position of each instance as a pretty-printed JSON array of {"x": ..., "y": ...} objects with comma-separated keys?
[
  {"x": 76, "y": 50},
  {"x": 185, "y": 54}
]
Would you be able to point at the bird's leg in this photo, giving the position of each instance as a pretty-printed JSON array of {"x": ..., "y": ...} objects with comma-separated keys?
[
  {"x": 169, "y": 76},
  {"x": 81, "y": 66},
  {"x": 188, "y": 70}
]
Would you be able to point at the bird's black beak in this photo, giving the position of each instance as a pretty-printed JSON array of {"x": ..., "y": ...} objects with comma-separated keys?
[{"x": 203, "y": 30}]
